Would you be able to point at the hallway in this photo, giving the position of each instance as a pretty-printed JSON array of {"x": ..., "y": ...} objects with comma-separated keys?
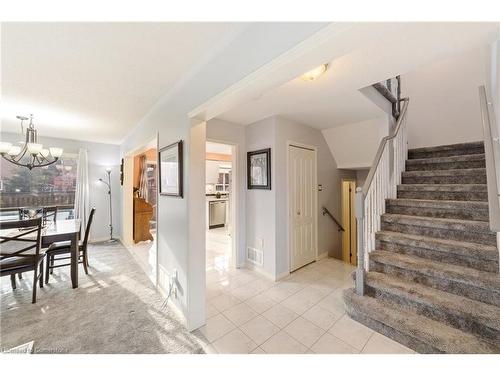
[{"x": 303, "y": 313}]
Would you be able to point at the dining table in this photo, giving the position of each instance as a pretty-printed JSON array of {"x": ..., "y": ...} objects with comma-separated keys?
[{"x": 61, "y": 231}]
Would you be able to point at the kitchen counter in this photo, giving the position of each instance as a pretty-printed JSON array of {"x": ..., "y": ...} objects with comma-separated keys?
[{"x": 213, "y": 197}]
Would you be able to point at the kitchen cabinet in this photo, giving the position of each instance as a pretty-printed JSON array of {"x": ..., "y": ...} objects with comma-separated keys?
[{"x": 212, "y": 171}]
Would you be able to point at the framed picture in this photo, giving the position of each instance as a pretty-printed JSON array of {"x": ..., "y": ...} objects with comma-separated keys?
[
  {"x": 259, "y": 169},
  {"x": 121, "y": 172},
  {"x": 170, "y": 171}
]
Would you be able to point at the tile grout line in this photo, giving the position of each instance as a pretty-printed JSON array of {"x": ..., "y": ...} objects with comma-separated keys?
[
  {"x": 369, "y": 338},
  {"x": 303, "y": 283}
]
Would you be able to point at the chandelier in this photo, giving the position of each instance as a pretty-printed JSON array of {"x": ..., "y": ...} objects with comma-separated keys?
[{"x": 30, "y": 153}]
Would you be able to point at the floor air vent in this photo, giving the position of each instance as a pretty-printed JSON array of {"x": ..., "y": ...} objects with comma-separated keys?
[{"x": 255, "y": 256}]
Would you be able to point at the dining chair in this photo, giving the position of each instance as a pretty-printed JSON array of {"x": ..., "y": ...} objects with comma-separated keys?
[
  {"x": 20, "y": 250},
  {"x": 64, "y": 248},
  {"x": 49, "y": 214},
  {"x": 29, "y": 212}
]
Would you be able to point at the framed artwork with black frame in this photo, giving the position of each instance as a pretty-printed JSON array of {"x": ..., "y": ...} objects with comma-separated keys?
[
  {"x": 170, "y": 174},
  {"x": 121, "y": 172},
  {"x": 259, "y": 169}
]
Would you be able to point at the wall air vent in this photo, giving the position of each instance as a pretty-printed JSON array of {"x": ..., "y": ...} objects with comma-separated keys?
[{"x": 255, "y": 256}]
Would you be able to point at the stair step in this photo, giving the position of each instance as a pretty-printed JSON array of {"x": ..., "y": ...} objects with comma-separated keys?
[
  {"x": 417, "y": 332},
  {"x": 466, "y": 254},
  {"x": 465, "y": 210},
  {"x": 463, "y": 313},
  {"x": 447, "y": 150},
  {"x": 464, "y": 192},
  {"x": 448, "y": 176},
  {"x": 449, "y": 229},
  {"x": 447, "y": 162},
  {"x": 463, "y": 281}
]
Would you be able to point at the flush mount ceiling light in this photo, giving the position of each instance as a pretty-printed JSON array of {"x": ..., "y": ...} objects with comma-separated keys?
[
  {"x": 30, "y": 154},
  {"x": 315, "y": 73}
]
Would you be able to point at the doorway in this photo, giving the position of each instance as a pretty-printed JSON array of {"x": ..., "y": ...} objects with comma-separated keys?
[
  {"x": 302, "y": 170},
  {"x": 220, "y": 191},
  {"x": 140, "y": 197},
  {"x": 349, "y": 246}
]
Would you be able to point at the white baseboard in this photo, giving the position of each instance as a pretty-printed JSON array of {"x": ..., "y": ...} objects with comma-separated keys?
[
  {"x": 172, "y": 306},
  {"x": 267, "y": 275},
  {"x": 259, "y": 270},
  {"x": 162, "y": 286},
  {"x": 322, "y": 255},
  {"x": 282, "y": 275}
]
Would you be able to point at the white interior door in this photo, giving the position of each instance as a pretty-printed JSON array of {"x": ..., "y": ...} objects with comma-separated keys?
[{"x": 302, "y": 193}]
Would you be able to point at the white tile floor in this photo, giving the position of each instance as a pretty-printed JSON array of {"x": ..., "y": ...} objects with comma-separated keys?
[{"x": 303, "y": 313}]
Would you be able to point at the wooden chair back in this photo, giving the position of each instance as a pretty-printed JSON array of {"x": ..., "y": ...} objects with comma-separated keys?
[
  {"x": 87, "y": 229},
  {"x": 49, "y": 214},
  {"x": 24, "y": 212},
  {"x": 22, "y": 242}
]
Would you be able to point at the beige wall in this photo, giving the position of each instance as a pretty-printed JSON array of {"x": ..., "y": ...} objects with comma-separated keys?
[{"x": 444, "y": 100}]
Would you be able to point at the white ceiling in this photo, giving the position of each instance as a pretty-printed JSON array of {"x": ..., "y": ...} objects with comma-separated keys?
[
  {"x": 95, "y": 81},
  {"x": 375, "y": 53}
]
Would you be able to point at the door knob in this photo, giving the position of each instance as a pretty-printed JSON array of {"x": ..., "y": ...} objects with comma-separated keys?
[{"x": 298, "y": 212}]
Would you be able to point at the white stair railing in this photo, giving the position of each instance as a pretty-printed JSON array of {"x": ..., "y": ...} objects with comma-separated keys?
[
  {"x": 381, "y": 184},
  {"x": 492, "y": 158}
]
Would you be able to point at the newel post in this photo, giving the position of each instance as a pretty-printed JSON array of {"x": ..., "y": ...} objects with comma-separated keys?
[{"x": 360, "y": 216}]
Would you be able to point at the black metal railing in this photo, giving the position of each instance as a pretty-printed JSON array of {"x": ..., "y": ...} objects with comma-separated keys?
[{"x": 328, "y": 213}]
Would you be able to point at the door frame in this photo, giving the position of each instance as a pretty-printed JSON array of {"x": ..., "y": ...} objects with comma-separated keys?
[
  {"x": 352, "y": 218},
  {"x": 234, "y": 203},
  {"x": 128, "y": 198},
  {"x": 288, "y": 198}
]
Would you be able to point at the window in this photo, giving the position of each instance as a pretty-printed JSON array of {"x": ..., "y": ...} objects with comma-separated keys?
[{"x": 53, "y": 185}]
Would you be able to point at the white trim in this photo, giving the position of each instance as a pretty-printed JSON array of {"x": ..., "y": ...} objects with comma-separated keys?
[
  {"x": 354, "y": 166},
  {"x": 259, "y": 270},
  {"x": 322, "y": 255},
  {"x": 498, "y": 247},
  {"x": 141, "y": 265},
  {"x": 267, "y": 275},
  {"x": 157, "y": 210},
  {"x": 129, "y": 158},
  {"x": 282, "y": 275},
  {"x": 315, "y": 204},
  {"x": 173, "y": 306},
  {"x": 235, "y": 232}
]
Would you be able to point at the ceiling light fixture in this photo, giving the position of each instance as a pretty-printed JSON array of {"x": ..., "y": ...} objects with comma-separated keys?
[
  {"x": 31, "y": 154},
  {"x": 315, "y": 73}
]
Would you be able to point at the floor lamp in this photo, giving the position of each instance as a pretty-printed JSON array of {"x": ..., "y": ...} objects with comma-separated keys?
[{"x": 108, "y": 184}]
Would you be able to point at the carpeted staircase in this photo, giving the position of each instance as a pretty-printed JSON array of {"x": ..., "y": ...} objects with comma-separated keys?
[{"x": 433, "y": 283}]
